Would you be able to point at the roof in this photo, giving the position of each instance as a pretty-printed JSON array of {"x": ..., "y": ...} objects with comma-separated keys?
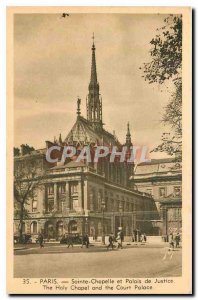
[
  {"x": 157, "y": 161},
  {"x": 84, "y": 133},
  {"x": 158, "y": 166},
  {"x": 71, "y": 164}
]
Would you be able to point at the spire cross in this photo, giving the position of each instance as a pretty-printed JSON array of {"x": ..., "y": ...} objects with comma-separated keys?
[
  {"x": 93, "y": 38},
  {"x": 78, "y": 106},
  {"x": 128, "y": 128}
]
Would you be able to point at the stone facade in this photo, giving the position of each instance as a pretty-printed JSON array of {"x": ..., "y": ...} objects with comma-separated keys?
[
  {"x": 79, "y": 200},
  {"x": 162, "y": 178}
]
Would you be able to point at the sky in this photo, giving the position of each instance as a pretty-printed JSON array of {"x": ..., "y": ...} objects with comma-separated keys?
[{"x": 52, "y": 66}]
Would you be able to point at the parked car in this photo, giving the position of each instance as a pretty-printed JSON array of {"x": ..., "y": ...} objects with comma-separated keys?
[{"x": 76, "y": 239}]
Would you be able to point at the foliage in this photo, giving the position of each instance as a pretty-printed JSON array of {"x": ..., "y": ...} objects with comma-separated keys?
[
  {"x": 26, "y": 149},
  {"x": 166, "y": 66},
  {"x": 26, "y": 184},
  {"x": 16, "y": 151},
  {"x": 166, "y": 52}
]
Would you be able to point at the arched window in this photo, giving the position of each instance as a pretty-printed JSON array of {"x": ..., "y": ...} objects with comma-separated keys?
[
  {"x": 23, "y": 227},
  {"x": 72, "y": 226},
  {"x": 59, "y": 228},
  {"x": 34, "y": 229},
  {"x": 34, "y": 205}
]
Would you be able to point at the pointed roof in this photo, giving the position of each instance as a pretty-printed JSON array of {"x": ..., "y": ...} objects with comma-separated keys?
[
  {"x": 128, "y": 130},
  {"x": 83, "y": 133},
  {"x": 93, "y": 64},
  {"x": 128, "y": 135},
  {"x": 60, "y": 139},
  {"x": 93, "y": 80}
]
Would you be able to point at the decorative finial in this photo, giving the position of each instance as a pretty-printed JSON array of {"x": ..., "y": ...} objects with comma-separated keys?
[
  {"x": 60, "y": 139},
  {"x": 78, "y": 106},
  {"x": 128, "y": 126},
  {"x": 128, "y": 135},
  {"x": 93, "y": 46}
]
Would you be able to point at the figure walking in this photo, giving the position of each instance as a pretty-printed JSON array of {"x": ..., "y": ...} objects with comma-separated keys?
[
  {"x": 69, "y": 241},
  {"x": 119, "y": 240},
  {"x": 85, "y": 240},
  {"x": 171, "y": 241},
  {"x": 177, "y": 240},
  {"x": 40, "y": 240},
  {"x": 111, "y": 240}
]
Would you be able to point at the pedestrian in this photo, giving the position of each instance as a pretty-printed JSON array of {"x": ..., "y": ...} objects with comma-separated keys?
[
  {"x": 133, "y": 237},
  {"x": 40, "y": 240},
  {"x": 119, "y": 240},
  {"x": 87, "y": 241},
  {"x": 69, "y": 241},
  {"x": 144, "y": 237},
  {"x": 141, "y": 238},
  {"x": 177, "y": 240},
  {"x": 83, "y": 240},
  {"x": 111, "y": 240},
  {"x": 171, "y": 242},
  {"x": 122, "y": 236}
]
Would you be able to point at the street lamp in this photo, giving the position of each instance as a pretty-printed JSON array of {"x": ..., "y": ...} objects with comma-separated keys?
[
  {"x": 120, "y": 210},
  {"x": 103, "y": 208},
  {"x": 86, "y": 225}
]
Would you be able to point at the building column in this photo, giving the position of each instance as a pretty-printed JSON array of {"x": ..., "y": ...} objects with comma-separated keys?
[
  {"x": 44, "y": 199},
  {"x": 80, "y": 196},
  {"x": 113, "y": 223},
  {"x": 165, "y": 221},
  {"x": 85, "y": 196},
  {"x": 41, "y": 226},
  {"x": 91, "y": 201},
  {"x": 55, "y": 197},
  {"x": 67, "y": 195}
]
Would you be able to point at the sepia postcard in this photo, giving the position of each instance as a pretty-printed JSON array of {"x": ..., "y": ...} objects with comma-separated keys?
[{"x": 99, "y": 150}]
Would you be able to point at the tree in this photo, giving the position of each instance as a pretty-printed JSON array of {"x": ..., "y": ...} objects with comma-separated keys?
[
  {"x": 166, "y": 66},
  {"x": 26, "y": 184},
  {"x": 16, "y": 151},
  {"x": 26, "y": 149}
]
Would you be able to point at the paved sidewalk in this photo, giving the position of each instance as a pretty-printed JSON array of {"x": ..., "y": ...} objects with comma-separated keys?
[{"x": 132, "y": 262}]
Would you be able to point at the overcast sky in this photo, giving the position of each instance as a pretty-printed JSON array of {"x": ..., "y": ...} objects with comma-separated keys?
[{"x": 53, "y": 65}]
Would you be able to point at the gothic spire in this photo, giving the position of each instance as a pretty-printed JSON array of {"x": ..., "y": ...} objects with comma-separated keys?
[
  {"x": 78, "y": 106},
  {"x": 93, "y": 80},
  {"x": 60, "y": 139},
  {"x": 128, "y": 135},
  {"x": 94, "y": 101}
]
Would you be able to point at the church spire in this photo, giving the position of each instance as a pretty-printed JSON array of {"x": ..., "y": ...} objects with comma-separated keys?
[
  {"x": 94, "y": 101},
  {"x": 93, "y": 80},
  {"x": 128, "y": 135},
  {"x": 78, "y": 106}
]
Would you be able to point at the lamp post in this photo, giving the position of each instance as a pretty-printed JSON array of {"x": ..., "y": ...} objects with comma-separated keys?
[
  {"x": 120, "y": 210},
  {"x": 86, "y": 225},
  {"x": 103, "y": 208}
]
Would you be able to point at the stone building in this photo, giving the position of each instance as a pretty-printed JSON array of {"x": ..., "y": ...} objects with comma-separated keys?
[
  {"x": 162, "y": 178},
  {"x": 78, "y": 197}
]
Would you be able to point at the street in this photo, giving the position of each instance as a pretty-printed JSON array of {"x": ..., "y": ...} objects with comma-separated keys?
[{"x": 131, "y": 261}]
